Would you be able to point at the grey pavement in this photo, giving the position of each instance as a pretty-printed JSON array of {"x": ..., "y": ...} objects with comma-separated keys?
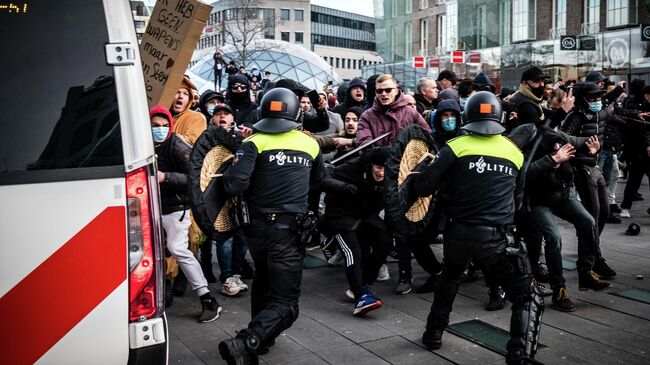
[{"x": 605, "y": 329}]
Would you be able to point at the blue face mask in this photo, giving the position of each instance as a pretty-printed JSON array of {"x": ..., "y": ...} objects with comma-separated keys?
[
  {"x": 449, "y": 124},
  {"x": 159, "y": 133},
  {"x": 595, "y": 106},
  {"x": 211, "y": 109}
]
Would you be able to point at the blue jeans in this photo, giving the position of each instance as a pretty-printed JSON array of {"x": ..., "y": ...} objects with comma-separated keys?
[
  {"x": 606, "y": 164},
  {"x": 573, "y": 212},
  {"x": 231, "y": 254}
]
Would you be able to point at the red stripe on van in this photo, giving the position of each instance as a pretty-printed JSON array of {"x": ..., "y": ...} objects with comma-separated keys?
[{"x": 58, "y": 294}]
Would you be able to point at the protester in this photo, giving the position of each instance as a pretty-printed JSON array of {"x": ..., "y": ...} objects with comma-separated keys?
[
  {"x": 188, "y": 124},
  {"x": 426, "y": 95}
]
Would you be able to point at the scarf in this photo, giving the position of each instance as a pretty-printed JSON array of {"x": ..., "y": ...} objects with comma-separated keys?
[{"x": 529, "y": 94}]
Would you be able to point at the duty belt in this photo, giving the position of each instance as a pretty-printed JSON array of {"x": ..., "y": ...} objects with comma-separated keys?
[
  {"x": 273, "y": 218},
  {"x": 497, "y": 228}
]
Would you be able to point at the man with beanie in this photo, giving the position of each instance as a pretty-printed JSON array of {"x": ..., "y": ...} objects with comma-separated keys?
[
  {"x": 600, "y": 80},
  {"x": 188, "y": 124},
  {"x": 238, "y": 97},
  {"x": 447, "y": 79},
  {"x": 586, "y": 120},
  {"x": 355, "y": 95},
  {"x": 208, "y": 101},
  {"x": 484, "y": 83},
  {"x": 526, "y": 102},
  {"x": 390, "y": 113},
  {"x": 173, "y": 154}
]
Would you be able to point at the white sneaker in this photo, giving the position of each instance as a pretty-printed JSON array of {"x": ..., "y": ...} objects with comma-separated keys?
[
  {"x": 241, "y": 284},
  {"x": 383, "y": 274},
  {"x": 349, "y": 294},
  {"x": 230, "y": 287},
  {"x": 336, "y": 259},
  {"x": 625, "y": 213}
]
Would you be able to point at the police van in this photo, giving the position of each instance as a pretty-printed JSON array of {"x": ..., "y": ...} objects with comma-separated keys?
[{"x": 81, "y": 262}]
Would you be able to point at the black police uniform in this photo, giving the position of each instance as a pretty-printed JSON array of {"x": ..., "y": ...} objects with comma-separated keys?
[
  {"x": 273, "y": 169},
  {"x": 482, "y": 170}
]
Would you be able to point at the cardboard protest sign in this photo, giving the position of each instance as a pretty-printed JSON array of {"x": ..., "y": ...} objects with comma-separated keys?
[{"x": 166, "y": 48}]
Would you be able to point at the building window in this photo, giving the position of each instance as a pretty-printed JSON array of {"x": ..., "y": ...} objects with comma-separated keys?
[
  {"x": 592, "y": 17},
  {"x": 349, "y": 62},
  {"x": 393, "y": 43},
  {"x": 559, "y": 19},
  {"x": 424, "y": 37},
  {"x": 409, "y": 7},
  {"x": 284, "y": 36},
  {"x": 299, "y": 15},
  {"x": 523, "y": 20},
  {"x": 448, "y": 28},
  {"x": 621, "y": 12},
  {"x": 424, "y": 4},
  {"x": 354, "y": 64},
  {"x": 284, "y": 14},
  {"x": 408, "y": 41},
  {"x": 504, "y": 16},
  {"x": 299, "y": 37},
  {"x": 481, "y": 26},
  {"x": 393, "y": 8},
  {"x": 337, "y": 62}
]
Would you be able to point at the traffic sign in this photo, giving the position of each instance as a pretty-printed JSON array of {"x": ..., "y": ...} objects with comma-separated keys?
[
  {"x": 457, "y": 57},
  {"x": 418, "y": 62},
  {"x": 474, "y": 57},
  {"x": 434, "y": 62}
]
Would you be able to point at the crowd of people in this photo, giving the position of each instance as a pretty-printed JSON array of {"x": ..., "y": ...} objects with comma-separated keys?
[{"x": 494, "y": 172}]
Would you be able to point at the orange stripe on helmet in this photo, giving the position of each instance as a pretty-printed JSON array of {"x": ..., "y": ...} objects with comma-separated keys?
[
  {"x": 486, "y": 109},
  {"x": 276, "y": 106}
]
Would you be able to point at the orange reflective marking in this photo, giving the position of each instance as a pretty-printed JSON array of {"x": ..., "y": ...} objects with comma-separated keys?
[
  {"x": 486, "y": 108},
  {"x": 276, "y": 106}
]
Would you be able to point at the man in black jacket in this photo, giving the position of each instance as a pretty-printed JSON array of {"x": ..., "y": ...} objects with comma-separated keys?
[
  {"x": 588, "y": 119},
  {"x": 355, "y": 96},
  {"x": 354, "y": 197},
  {"x": 426, "y": 95},
  {"x": 173, "y": 155},
  {"x": 549, "y": 180}
]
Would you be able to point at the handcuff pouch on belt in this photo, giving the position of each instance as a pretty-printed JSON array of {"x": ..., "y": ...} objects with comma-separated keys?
[
  {"x": 517, "y": 251},
  {"x": 306, "y": 226},
  {"x": 240, "y": 213}
]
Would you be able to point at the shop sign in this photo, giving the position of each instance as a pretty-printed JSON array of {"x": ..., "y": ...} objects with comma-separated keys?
[{"x": 568, "y": 43}]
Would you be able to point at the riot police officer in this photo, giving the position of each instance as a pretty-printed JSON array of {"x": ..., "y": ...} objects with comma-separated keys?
[
  {"x": 482, "y": 169},
  {"x": 273, "y": 170}
]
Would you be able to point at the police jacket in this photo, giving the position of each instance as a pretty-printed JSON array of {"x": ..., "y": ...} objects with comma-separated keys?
[
  {"x": 274, "y": 171},
  {"x": 173, "y": 156},
  {"x": 482, "y": 175},
  {"x": 351, "y": 195}
]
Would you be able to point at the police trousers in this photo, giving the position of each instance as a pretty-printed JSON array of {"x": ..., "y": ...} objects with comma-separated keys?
[
  {"x": 487, "y": 246},
  {"x": 278, "y": 258}
]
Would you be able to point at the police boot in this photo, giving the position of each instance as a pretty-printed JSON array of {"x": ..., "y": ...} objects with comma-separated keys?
[
  {"x": 236, "y": 351},
  {"x": 525, "y": 324},
  {"x": 432, "y": 338}
]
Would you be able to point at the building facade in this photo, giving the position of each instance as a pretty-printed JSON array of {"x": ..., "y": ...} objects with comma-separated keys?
[
  {"x": 512, "y": 35},
  {"x": 344, "y": 40}
]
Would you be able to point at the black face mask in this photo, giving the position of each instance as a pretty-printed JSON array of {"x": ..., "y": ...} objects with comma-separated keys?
[
  {"x": 239, "y": 98},
  {"x": 538, "y": 91}
]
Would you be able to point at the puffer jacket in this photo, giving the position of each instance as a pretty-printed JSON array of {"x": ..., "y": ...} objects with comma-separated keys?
[
  {"x": 380, "y": 119},
  {"x": 173, "y": 156}
]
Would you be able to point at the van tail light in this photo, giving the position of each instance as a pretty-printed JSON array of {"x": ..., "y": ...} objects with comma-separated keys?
[{"x": 142, "y": 256}]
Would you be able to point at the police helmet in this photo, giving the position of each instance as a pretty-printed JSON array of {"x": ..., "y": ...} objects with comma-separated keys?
[
  {"x": 483, "y": 114},
  {"x": 278, "y": 111}
]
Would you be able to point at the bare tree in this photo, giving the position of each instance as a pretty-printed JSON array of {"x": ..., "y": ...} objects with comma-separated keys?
[{"x": 247, "y": 22}]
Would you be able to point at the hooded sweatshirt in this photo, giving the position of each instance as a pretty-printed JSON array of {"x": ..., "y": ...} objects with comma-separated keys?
[
  {"x": 392, "y": 118},
  {"x": 207, "y": 96},
  {"x": 440, "y": 135},
  {"x": 189, "y": 124},
  {"x": 244, "y": 110},
  {"x": 349, "y": 101}
]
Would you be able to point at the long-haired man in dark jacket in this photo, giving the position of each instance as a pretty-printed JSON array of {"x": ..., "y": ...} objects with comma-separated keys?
[{"x": 173, "y": 155}]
